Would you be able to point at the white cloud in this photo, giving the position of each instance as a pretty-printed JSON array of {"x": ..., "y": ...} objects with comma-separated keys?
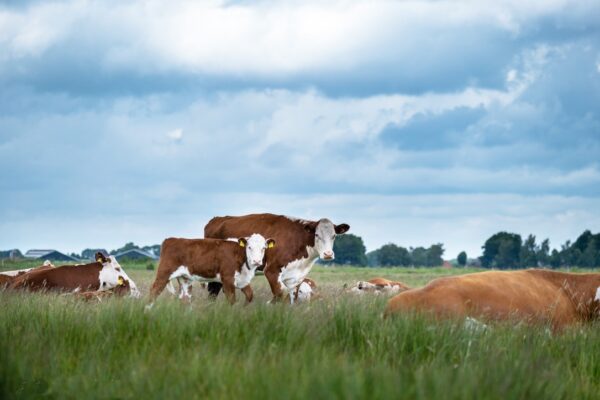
[
  {"x": 266, "y": 39},
  {"x": 175, "y": 135}
]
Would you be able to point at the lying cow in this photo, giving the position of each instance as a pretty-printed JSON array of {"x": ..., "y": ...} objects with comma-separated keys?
[
  {"x": 305, "y": 291},
  {"x": 300, "y": 244},
  {"x": 104, "y": 274},
  {"x": 379, "y": 286},
  {"x": 533, "y": 296},
  {"x": 123, "y": 288},
  {"x": 232, "y": 263},
  {"x": 6, "y": 278}
]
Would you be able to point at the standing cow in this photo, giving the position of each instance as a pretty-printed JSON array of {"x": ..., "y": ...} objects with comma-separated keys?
[
  {"x": 300, "y": 244},
  {"x": 231, "y": 263}
]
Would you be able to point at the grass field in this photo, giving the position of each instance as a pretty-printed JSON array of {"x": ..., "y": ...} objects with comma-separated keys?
[{"x": 339, "y": 347}]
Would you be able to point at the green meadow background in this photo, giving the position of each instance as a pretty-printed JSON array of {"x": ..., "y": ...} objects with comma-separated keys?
[{"x": 54, "y": 346}]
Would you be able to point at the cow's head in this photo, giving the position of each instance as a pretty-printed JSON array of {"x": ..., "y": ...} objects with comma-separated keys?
[
  {"x": 256, "y": 246},
  {"x": 112, "y": 275},
  {"x": 325, "y": 232}
]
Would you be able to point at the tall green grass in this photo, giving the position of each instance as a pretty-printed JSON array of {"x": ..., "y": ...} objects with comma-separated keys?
[{"x": 57, "y": 347}]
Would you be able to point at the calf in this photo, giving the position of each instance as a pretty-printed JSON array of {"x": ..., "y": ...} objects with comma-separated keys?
[
  {"x": 123, "y": 288},
  {"x": 533, "y": 296},
  {"x": 379, "y": 286},
  {"x": 232, "y": 263},
  {"x": 305, "y": 291},
  {"x": 104, "y": 274}
]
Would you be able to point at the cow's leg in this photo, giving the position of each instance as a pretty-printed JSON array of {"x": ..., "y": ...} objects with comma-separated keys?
[
  {"x": 272, "y": 276},
  {"x": 158, "y": 286},
  {"x": 229, "y": 288},
  {"x": 247, "y": 290},
  {"x": 185, "y": 294},
  {"x": 213, "y": 289}
]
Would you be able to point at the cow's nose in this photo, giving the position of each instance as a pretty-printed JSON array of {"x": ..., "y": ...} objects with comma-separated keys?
[{"x": 328, "y": 255}]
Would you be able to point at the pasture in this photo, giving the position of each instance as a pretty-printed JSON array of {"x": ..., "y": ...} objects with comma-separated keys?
[{"x": 338, "y": 347}]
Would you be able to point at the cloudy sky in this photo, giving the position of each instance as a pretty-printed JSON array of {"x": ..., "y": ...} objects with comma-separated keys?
[{"x": 415, "y": 121}]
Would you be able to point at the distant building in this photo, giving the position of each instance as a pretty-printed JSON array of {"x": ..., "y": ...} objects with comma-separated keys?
[
  {"x": 90, "y": 254},
  {"x": 53, "y": 255},
  {"x": 446, "y": 264},
  {"x": 134, "y": 254},
  {"x": 10, "y": 254}
]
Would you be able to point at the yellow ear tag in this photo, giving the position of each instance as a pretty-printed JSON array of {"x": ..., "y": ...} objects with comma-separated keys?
[
  {"x": 271, "y": 245},
  {"x": 242, "y": 244},
  {"x": 120, "y": 282}
]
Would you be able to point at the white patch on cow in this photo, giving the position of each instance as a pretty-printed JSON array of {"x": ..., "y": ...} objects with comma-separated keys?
[
  {"x": 304, "y": 293},
  {"x": 597, "y": 298},
  {"x": 243, "y": 278},
  {"x": 47, "y": 263},
  {"x": 294, "y": 272},
  {"x": 186, "y": 289},
  {"x": 184, "y": 273},
  {"x": 109, "y": 276}
]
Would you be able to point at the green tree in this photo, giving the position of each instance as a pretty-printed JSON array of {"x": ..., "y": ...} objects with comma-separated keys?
[
  {"x": 555, "y": 259},
  {"x": 350, "y": 249},
  {"x": 128, "y": 246},
  {"x": 434, "y": 255},
  {"x": 543, "y": 253},
  {"x": 392, "y": 255},
  {"x": 501, "y": 250},
  {"x": 528, "y": 253},
  {"x": 461, "y": 259},
  {"x": 418, "y": 256}
]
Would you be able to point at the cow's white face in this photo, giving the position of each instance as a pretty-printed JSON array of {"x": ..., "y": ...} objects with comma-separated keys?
[
  {"x": 256, "y": 246},
  {"x": 113, "y": 275},
  {"x": 325, "y": 233}
]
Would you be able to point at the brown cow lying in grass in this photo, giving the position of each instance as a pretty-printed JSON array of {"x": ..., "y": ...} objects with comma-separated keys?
[
  {"x": 8, "y": 277},
  {"x": 104, "y": 274},
  {"x": 123, "y": 288},
  {"x": 379, "y": 286},
  {"x": 532, "y": 296}
]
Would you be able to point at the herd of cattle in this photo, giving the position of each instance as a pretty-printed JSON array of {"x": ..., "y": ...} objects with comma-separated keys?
[{"x": 286, "y": 248}]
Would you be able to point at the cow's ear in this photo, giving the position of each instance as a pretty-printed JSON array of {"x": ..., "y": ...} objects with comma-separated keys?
[
  {"x": 242, "y": 242},
  {"x": 100, "y": 258},
  {"x": 120, "y": 281},
  {"x": 311, "y": 227},
  {"x": 342, "y": 228},
  {"x": 270, "y": 243}
]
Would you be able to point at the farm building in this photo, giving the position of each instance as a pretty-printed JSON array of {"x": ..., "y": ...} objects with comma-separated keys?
[
  {"x": 134, "y": 254},
  {"x": 53, "y": 255},
  {"x": 10, "y": 254},
  {"x": 89, "y": 254}
]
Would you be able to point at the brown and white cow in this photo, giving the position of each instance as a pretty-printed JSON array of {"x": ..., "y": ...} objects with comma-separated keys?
[
  {"x": 123, "y": 288},
  {"x": 300, "y": 244},
  {"x": 7, "y": 277},
  {"x": 231, "y": 263},
  {"x": 305, "y": 291},
  {"x": 104, "y": 274},
  {"x": 533, "y": 296},
  {"x": 378, "y": 286}
]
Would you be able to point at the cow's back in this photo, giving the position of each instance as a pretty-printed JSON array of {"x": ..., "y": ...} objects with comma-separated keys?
[
  {"x": 494, "y": 295},
  {"x": 290, "y": 235},
  {"x": 66, "y": 277}
]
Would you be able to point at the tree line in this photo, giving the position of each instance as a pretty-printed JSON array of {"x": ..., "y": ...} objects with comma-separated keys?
[
  {"x": 350, "y": 249},
  {"x": 502, "y": 250},
  {"x": 505, "y": 250}
]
